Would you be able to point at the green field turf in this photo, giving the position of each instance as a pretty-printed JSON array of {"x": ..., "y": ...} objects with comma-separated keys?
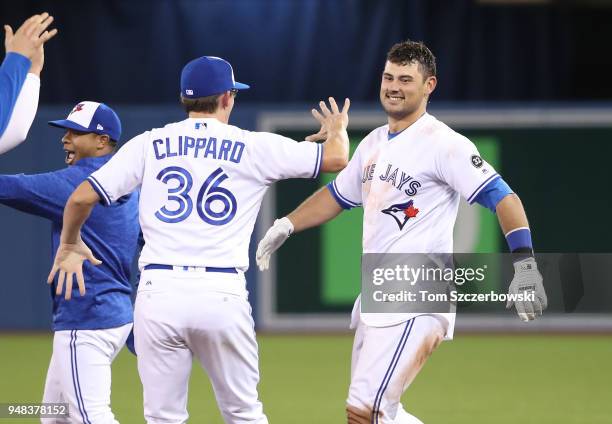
[{"x": 474, "y": 379}]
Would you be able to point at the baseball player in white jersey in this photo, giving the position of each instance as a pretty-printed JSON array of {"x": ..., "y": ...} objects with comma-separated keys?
[
  {"x": 202, "y": 182},
  {"x": 408, "y": 176}
]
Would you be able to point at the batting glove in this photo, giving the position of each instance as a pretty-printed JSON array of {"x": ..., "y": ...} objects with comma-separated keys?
[
  {"x": 274, "y": 238},
  {"x": 527, "y": 280}
]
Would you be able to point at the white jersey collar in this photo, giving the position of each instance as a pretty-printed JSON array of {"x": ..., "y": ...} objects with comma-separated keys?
[{"x": 415, "y": 126}]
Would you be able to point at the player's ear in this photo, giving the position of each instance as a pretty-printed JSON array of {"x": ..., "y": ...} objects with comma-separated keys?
[
  {"x": 225, "y": 100},
  {"x": 103, "y": 140},
  {"x": 430, "y": 84}
]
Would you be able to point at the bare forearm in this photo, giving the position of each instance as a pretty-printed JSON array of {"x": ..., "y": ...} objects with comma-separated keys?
[
  {"x": 316, "y": 210},
  {"x": 78, "y": 208},
  {"x": 511, "y": 214},
  {"x": 335, "y": 152}
]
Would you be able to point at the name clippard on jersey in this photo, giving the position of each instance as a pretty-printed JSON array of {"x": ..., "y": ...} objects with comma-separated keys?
[{"x": 227, "y": 150}]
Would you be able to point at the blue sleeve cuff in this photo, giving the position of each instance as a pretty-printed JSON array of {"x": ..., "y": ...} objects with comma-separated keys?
[
  {"x": 104, "y": 197},
  {"x": 342, "y": 201},
  {"x": 519, "y": 240},
  {"x": 493, "y": 193},
  {"x": 18, "y": 60}
]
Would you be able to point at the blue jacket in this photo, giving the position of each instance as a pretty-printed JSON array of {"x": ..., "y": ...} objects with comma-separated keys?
[
  {"x": 110, "y": 232},
  {"x": 13, "y": 72}
]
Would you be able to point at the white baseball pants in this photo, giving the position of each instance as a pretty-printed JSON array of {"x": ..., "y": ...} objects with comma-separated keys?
[
  {"x": 177, "y": 317},
  {"x": 385, "y": 360},
  {"x": 80, "y": 373}
]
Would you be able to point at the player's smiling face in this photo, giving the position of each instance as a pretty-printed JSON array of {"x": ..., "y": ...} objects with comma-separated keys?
[
  {"x": 404, "y": 89},
  {"x": 79, "y": 145}
]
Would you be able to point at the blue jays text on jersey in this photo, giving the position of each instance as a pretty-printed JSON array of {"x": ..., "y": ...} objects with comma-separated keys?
[
  {"x": 201, "y": 147},
  {"x": 111, "y": 233},
  {"x": 394, "y": 176}
]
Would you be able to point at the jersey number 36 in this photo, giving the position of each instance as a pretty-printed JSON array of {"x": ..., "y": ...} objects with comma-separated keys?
[{"x": 209, "y": 192}]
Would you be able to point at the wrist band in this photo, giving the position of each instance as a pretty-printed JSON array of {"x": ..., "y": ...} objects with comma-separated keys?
[{"x": 519, "y": 240}]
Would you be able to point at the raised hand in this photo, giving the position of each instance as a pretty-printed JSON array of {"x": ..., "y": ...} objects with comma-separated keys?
[
  {"x": 30, "y": 36},
  {"x": 332, "y": 120}
]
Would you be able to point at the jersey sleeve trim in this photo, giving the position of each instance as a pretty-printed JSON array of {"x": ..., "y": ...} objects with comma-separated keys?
[
  {"x": 482, "y": 186},
  {"x": 342, "y": 201},
  {"x": 318, "y": 161},
  {"x": 100, "y": 190}
]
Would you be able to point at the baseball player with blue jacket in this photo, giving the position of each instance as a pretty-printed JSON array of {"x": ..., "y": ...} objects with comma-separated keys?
[
  {"x": 20, "y": 78},
  {"x": 90, "y": 329},
  {"x": 408, "y": 176},
  {"x": 202, "y": 182}
]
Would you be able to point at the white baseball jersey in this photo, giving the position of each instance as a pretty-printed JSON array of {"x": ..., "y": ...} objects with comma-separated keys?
[
  {"x": 409, "y": 187},
  {"x": 202, "y": 183}
]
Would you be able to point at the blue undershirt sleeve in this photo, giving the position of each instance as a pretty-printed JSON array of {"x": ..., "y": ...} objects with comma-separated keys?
[{"x": 493, "y": 193}]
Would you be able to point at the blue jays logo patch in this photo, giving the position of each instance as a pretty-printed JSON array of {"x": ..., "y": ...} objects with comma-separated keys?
[
  {"x": 402, "y": 212},
  {"x": 77, "y": 108}
]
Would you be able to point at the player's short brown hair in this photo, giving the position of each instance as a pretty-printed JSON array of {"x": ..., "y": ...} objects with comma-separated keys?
[
  {"x": 207, "y": 104},
  {"x": 410, "y": 51}
]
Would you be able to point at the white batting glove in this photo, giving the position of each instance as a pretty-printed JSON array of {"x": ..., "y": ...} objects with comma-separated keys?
[
  {"x": 527, "y": 279},
  {"x": 274, "y": 238}
]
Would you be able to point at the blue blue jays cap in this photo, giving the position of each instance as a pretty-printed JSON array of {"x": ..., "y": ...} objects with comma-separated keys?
[
  {"x": 207, "y": 76},
  {"x": 92, "y": 117}
]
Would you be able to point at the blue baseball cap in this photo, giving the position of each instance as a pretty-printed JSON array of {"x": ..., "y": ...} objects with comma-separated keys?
[
  {"x": 92, "y": 117},
  {"x": 207, "y": 76}
]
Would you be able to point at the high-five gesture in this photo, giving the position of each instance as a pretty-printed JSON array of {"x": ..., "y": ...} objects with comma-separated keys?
[
  {"x": 334, "y": 120},
  {"x": 30, "y": 36},
  {"x": 333, "y": 130}
]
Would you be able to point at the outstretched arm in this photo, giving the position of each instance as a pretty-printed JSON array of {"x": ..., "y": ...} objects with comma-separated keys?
[
  {"x": 72, "y": 251},
  {"x": 316, "y": 210}
]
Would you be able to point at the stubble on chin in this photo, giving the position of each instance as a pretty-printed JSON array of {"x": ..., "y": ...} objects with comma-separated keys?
[{"x": 397, "y": 114}]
